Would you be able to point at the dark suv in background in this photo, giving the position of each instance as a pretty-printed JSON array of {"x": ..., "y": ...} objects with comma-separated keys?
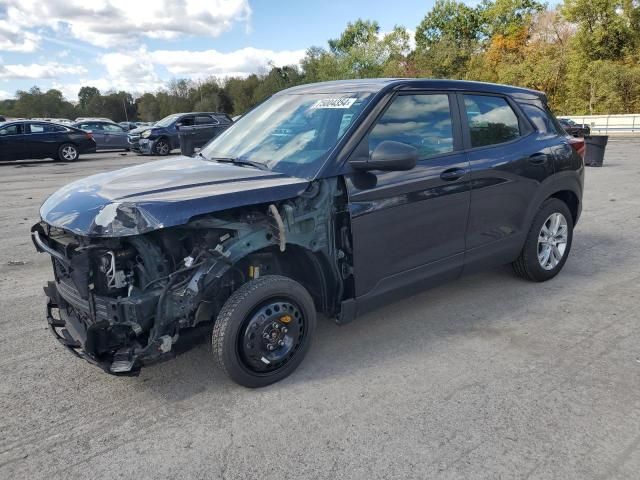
[
  {"x": 335, "y": 197},
  {"x": 575, "y": 129},
  {"x": 162, "y": 137}
]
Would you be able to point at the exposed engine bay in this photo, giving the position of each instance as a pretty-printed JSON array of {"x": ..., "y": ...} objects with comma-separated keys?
[{"x": 122, "y": 302}]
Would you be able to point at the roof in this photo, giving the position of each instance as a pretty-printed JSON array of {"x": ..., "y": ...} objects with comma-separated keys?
[{"x": 375, "y": 85}]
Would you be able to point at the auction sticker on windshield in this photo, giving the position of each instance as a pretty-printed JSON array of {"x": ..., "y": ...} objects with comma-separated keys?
[{"x": 334, "y": 103}]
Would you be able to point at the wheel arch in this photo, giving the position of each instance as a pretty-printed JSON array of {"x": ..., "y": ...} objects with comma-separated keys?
[
  {"x": 565, "y": 186},
  {"x": 311, "y": 269}
]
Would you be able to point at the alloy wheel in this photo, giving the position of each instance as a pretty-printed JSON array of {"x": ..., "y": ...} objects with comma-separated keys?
[
  {"x": 162, "y": 147},
  {"x": 69, "y": 153},
  {"x": 552, "y": 241}
]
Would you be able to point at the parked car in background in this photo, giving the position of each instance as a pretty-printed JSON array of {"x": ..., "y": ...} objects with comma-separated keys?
[
  {"x": 128, "y": 125},
  {"x": 162, "y": 136},
  {"x": 336, "y": 197},
  {"x": 108, "y": 135},
  {"x": 2, "y": 119},
  {"x": 32, "y": 139},
  {"x": 102, "y": 119},
  {"x": 575, "y": 129}
]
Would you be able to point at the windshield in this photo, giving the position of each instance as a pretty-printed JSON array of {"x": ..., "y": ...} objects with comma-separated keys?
[
  {"x": 166, "y": 121},
  {"x": 291, "y": 134}
]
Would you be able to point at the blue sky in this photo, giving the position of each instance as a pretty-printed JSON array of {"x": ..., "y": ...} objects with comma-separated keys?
[{"x": 139, "y": 45}]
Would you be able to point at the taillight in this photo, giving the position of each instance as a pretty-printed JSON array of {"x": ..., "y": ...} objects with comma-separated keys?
[{"x": 578, "y": 145}]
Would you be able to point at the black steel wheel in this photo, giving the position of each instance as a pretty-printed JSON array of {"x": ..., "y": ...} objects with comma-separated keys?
[{"x": 264, "y": 330}]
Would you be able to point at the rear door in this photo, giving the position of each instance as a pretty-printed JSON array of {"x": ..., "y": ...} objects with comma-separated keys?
[
  {"x": 508, "y": 161},
  {"x": 12, "y": 142},
  {"x": 115, "y": 136}
]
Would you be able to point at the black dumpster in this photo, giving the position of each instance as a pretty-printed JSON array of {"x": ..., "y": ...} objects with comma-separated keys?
[
  {"x": 595, "y": 146},
  {"x": 186, "y": 134}
]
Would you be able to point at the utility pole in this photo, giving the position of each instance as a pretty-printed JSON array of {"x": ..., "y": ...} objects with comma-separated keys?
[{"x": 124, "y": 104}]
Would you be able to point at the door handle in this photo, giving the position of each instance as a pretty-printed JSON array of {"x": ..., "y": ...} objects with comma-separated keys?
[
  {"x": 452, "y": 174},
  {"x": 538, "y": 158}
]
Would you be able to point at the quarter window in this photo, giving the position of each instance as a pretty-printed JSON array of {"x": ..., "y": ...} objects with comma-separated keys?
[
  {"x": 422, "y": 121},
  {"x": 540, "y": 119},
  {"x": 491, "y": 120}
]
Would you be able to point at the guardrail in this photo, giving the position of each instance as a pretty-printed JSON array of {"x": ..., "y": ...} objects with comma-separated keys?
[{"x": 609, "y": 124}]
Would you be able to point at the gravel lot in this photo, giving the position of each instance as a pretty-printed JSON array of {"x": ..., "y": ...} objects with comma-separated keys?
[{"x": 487, "y": 377}]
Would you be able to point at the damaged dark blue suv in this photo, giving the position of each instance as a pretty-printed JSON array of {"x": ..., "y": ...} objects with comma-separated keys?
[{"x": 334, "y": 197}]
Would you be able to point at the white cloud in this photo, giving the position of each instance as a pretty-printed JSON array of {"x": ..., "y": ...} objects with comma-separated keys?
[
  {"x": 35, "y": 71},
  {"x": 15, "y": 39},
  {"x": 211, "y": 62},
  {"x": 4, "y": 95},
  {"x": 110, "y": 23}
]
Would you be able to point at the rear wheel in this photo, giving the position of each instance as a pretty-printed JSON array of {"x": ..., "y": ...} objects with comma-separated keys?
[
  {"x": 68, "y": 152},
  {"x": 264, "y": 331},
  {"x": 548, "y": 242}
]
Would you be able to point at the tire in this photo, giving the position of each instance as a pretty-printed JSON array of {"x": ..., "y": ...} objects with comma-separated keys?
[
  {"x": 252, "y": 312},
  {"x": 162, "y": 147},
  {"x": 531, "y": 264},
  {"x": 68, "y": 152}
]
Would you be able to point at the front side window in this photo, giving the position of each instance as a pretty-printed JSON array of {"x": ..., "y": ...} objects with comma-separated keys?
[
  {"x": 290, "y": 133},
  {"x": 421, "y": 120},
  {"x": 491, "y": 120}
]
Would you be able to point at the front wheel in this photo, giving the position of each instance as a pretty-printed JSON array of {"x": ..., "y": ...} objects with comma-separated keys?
[
  {"x": 68, "y": 152},
  {"x": 162, "y": 147},
  {"x": 264, "y": 330},
  {"x": 548, "y": 242}
]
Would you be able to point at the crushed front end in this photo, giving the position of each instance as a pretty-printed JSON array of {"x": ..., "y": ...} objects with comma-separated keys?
[
  {"x": 103, "y": 302},
  {"x": 124, "y": 301}
]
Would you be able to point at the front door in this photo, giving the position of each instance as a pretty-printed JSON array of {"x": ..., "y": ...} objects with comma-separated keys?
[
  {"x": 409, "y": 227},
  {"x": 205, "y": 129}
]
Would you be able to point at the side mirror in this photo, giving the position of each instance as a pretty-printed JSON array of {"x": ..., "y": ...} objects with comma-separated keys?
[{"x": 388, "y": 156}]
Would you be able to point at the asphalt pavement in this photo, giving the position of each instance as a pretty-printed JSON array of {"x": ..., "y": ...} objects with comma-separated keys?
[{"x": 486, "y": 377}]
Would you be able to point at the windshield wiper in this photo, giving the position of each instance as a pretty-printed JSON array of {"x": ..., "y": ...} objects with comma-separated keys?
[{"x": 240, "y": 161}]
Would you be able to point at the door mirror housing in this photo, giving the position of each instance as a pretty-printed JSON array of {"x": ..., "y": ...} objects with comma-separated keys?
[{"x": 388, "y": 156}]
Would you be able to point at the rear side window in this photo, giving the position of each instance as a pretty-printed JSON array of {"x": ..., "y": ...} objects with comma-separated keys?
[
  {"x": 491, "y": 120},
  {"x": 45, "y": 128},
  {"x": 422, "y": 121},
  {"x": 540, "y": 118}
]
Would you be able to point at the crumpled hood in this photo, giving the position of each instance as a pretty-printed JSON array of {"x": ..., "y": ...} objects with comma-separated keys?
[
  {"x": 161, "y": 194},
  {"x": 139, "y": 130}
]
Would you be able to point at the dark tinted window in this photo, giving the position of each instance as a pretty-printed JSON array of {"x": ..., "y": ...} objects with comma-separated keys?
[
  {"x": 187, "y": 121},
  {"x": 491, "y": 120},
  {"x": 540, "y": 118},
  {"x": 11, "y": 130},
  {"x": 205, "y": 120},
  {"x": 422, "y": 121}
]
